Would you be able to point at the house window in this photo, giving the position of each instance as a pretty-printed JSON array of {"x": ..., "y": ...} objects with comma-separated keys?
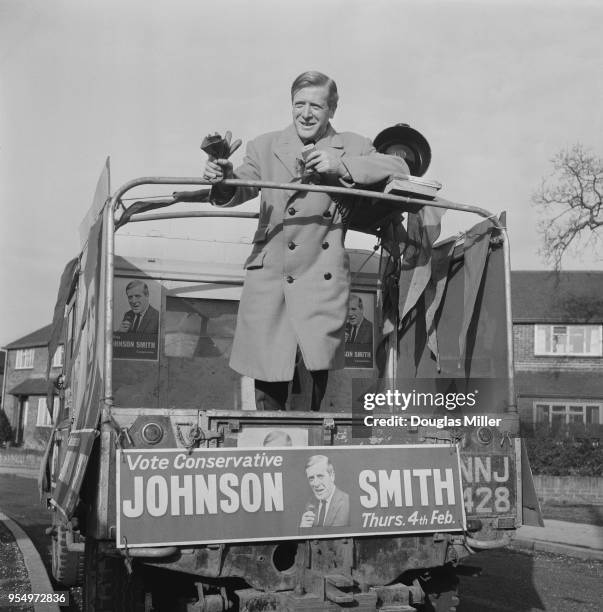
[
  {"x": 578, "y": 340},
  {"x": 57, "y": 360},
  {"x": 44, "y": 419},
  {"x": 559, "y": 414},
  {"x": 25, "y": 359}
]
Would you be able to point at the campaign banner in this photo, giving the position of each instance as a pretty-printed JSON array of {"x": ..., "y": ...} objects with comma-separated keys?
[
  {"x": 136, "y": 324},
  {"x": 359, "y": 331},
  {"x": 172, "y": 496}
]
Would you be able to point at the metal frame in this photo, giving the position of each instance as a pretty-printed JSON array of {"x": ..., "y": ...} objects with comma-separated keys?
[
  {"x": 116, "y": 201},
  {"x": 109, "y": 227}
]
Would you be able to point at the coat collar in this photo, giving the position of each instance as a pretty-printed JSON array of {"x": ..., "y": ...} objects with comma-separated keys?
[{"x": 288, "y": 146}]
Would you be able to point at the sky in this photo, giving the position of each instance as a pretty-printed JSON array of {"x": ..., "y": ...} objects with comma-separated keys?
[{"x": 497, "y": 88}]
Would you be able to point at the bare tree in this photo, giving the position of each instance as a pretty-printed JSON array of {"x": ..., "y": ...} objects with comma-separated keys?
[{"x": 571, "y": 201}]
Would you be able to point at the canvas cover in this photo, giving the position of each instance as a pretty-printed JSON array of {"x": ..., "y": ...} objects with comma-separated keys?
[{"x": 85, "y": 366}]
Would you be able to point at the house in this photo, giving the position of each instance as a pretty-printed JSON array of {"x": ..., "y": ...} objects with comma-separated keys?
[
  {"x": 557, "y": 331},
  {"x": 558, "y": 346},
  {"x": 25, "y": 387},
  {"x": 2, "y": 361}
]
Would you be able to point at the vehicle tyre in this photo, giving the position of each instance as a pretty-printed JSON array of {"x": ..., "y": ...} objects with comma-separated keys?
[
  {"x": 107, "y": 585},
  {"x": 67, "y": 566}
]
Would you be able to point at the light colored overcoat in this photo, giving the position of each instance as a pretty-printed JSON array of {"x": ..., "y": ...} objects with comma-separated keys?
[{"x": 298, "y": 278}]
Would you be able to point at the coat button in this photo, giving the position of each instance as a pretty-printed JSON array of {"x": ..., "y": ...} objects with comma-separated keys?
[
  {"x": 325, "y": 245},
  {"x": 327, "y": 275},
  {"x": 291, "y": 211},
  {"x": 291, "y": 245},
  {"x": 289, "y": 279},
  {"x": 326, "y": 213}
]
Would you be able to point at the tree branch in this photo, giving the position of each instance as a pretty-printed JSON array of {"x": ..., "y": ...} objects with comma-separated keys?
[{"x": 571, "y": 202}]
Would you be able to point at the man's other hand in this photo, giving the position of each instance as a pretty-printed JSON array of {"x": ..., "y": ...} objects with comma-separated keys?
[
  {"x": 125, "y": 326},
  {"x": 307, "y": 519},
  {"x": 216, "y": 170},
  {"x": 326, "y": 162}
]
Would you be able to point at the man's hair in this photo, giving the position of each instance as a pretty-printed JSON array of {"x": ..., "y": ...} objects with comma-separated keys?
[
  {"x": 314, "y": 459},
  {"x": 313, "y": 78},
  {"x": 138, "y": 283},
  {"x": 278, "y": 436},
  {"x": 358, "y": 299}
]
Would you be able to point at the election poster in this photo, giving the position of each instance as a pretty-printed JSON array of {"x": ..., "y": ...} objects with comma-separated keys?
[
  {"x": 171, "y": 496},
  {"x": 272, "y": 436},
  {"x": 359, "y": 330},
  {"x": 137, "y": 304}
]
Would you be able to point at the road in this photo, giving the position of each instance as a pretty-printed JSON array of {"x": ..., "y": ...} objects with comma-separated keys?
[
  {"x": 514, "y": 581},
  {"x": 511, "y": 581}
]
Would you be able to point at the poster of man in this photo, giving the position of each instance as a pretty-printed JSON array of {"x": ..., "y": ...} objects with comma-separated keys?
[
  {"x": 359, "y": 331},
  {"x": 330, "y": 506},
  {"x": 272, "y": 437},
  {"x": 136, "y": 321}
]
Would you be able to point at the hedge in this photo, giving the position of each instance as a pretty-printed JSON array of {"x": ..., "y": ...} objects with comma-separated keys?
[
  {"x": 562, "y": 454},
  {"x": 6, "y": 432}
]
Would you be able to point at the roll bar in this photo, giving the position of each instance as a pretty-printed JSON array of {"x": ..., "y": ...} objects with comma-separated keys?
[{"x": 402, "y": 203}]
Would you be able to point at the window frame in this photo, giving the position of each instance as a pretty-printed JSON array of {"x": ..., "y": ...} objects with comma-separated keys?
[
  {"x": 60, "y": 354},
  {"x": 567, "y": 405},
  {"x": 48, "y": 420},
  {"x": 549, "y": 329},
  {"x": 21, "y": 362}
]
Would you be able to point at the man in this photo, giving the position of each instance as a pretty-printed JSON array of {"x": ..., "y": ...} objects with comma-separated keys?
[
  {"x": 277, "y": 437},
  {"x": 297, "y": 282},
  {"x": 331, "y": 508},
  {"x": 142, "y": 318},
  {"x": 358, "y": 329}
]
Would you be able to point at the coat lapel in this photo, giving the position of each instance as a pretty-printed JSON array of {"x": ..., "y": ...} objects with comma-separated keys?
[
  {"x": 287, "y": 149},
  {"x": 331, "y": 140}
]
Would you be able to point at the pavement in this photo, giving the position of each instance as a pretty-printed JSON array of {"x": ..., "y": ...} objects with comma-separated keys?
[
  {"x": 564, "y": 538},
  {"x": 28, "y": 575}
]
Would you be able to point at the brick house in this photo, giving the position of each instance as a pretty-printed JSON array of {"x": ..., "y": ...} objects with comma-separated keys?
[
  {"x": 2, "y": 361},
  {"x": 557, "y": 330},
  {"x": 25, "y": 387}
]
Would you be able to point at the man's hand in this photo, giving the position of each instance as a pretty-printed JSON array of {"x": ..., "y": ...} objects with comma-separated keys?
[
  {"x": 217, "y": 170},
  {"x": 326, "y": 162},
  {"x": 307, "y": 519},
  {"x": 125, "y": 326}
]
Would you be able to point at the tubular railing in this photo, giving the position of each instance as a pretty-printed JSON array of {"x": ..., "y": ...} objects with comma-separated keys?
[{"x": 397, "y": 201}]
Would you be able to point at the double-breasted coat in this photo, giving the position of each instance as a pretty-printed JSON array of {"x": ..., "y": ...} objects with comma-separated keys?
[{"x": 298, "y": 278}]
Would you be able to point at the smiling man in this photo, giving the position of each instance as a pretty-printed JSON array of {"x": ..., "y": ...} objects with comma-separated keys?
[
  {"x": 298, "y": 279},
  {"x": 331, "y": 507},
  {"x": 142, "y": 318},
  {"x": 358, "y": 328}
]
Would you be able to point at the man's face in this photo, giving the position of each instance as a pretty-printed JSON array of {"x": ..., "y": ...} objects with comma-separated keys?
[
  {"x": 355, "y": 313},
  {"x": 137, "y": 299},
  {"x": 321, "y": 480},
  {"x": 311, "y": 112}
]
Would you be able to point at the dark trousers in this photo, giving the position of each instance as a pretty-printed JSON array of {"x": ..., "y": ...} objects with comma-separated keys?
[{"x": 273, "y": 395}]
